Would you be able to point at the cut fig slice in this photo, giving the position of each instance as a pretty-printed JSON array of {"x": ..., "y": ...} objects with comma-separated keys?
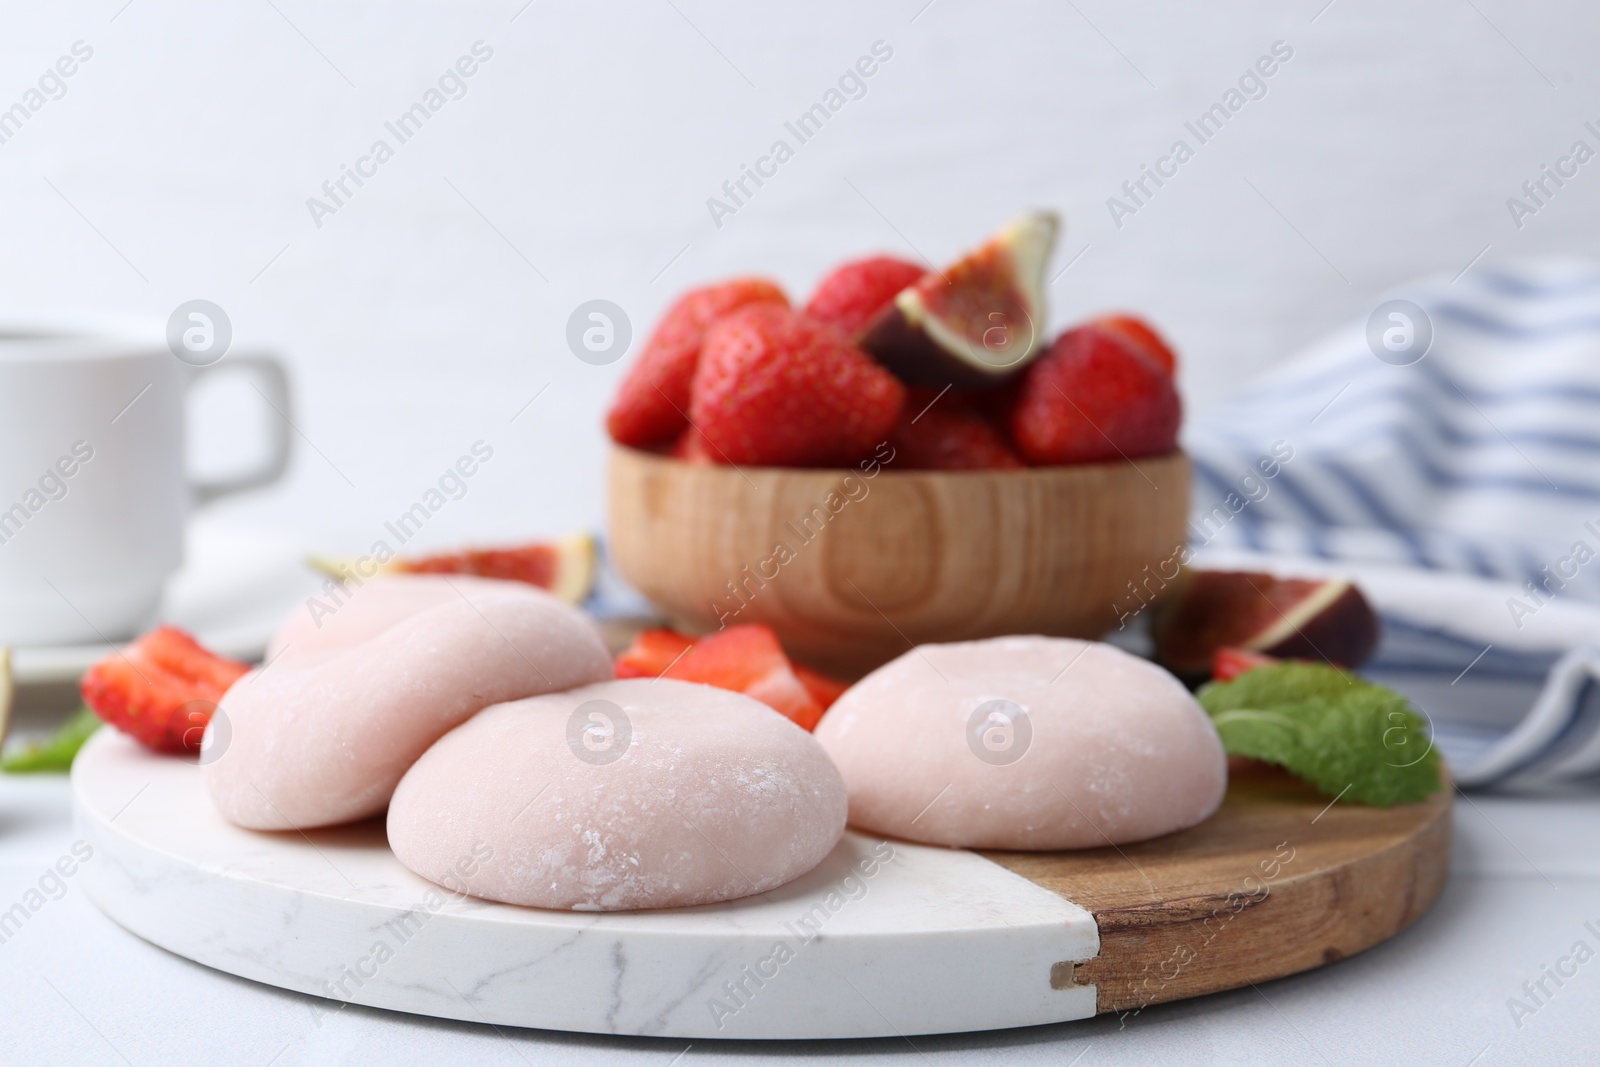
[
  {"x": 7, "y": 693},
  {"x": 1317, "y": 619},
  {"x": 978, "y": 321},
  {"x": 565, "y": 567}
]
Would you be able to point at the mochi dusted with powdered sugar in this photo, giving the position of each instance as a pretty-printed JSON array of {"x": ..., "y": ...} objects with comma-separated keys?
[
  {"x": 644, "y": 793},
  {"x": 321, "y": 734},
  {"x": 1024, "y": 743}
]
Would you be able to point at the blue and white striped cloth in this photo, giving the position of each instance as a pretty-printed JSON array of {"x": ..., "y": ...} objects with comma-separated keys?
[{"x": 1462, "y": 490}]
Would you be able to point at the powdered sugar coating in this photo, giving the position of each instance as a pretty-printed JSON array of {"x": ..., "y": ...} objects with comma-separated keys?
[
  {"x": 717, "y": 797},
  {"x": 334, "y": 621},
  {"x": 1119, "y": 750},
  {"x": 321, "y": 734}
]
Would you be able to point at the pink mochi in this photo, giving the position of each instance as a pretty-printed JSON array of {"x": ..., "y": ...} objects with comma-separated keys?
[
  {"x": 1107, "y": 748},
  {"x": 645, "y": 793},
  {"x": 321, "y": 734},
  {"x": 332, "y": 622}
]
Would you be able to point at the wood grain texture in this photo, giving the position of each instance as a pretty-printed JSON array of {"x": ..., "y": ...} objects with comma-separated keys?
[
  {"x": 1274, "y": 883},
  {"x": 852, "y": 570}
]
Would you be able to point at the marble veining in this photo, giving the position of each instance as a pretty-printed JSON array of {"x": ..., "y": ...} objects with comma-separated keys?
[{"x": 882, "y": 938}]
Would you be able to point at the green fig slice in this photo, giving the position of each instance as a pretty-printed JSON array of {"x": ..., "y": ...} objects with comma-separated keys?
[
  {"x": 978, "y": 321},
  {"x": 7, "y": 693}
]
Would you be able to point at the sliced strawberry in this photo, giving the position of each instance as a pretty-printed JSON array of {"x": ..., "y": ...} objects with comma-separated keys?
[
  {"x": 1141, "y": 335},
  {"x": 1228, "y": 663},
  {"x": 651, "y": 653},
  {"x": 947, "y": 433},
  {"x": 859, "y": 291},
  {"x": 778, "y": 389},
  {"x": 823, "y": 689},
  {"x": 651, "y": 406},
  {"x": 748, "y": 659},
  {"x": 1091, "y": 398},
  {"x": 161, "y": 689},
  {"x": 743, "y": 662}
]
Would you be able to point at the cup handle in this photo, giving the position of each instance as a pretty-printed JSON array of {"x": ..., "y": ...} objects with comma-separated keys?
[{"x": 272, "y": 382}]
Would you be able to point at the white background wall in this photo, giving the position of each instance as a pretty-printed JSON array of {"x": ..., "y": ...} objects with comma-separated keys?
[{"x": 1384, "y": 149}]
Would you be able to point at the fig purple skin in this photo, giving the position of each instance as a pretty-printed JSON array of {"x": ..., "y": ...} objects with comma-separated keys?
[
  {"x": 977, "y": 322},
  {"x": 1346, "y": 632},
  {"x": 1321, "y": 620}
]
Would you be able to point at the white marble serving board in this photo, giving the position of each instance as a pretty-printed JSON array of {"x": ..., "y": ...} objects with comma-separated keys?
[{"x": 930, "y": 941}]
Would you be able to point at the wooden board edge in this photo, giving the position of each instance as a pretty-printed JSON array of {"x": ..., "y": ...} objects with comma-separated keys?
[
  {"x": 1266, "y": 921},
  {"x": 1290, "y": 925}
]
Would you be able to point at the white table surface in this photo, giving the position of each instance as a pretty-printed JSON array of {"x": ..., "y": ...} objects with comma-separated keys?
[{"x": 77, "y": 988}]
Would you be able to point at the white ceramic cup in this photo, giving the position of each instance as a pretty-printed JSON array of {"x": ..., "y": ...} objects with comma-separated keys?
[{"x": 93, "y": 492}]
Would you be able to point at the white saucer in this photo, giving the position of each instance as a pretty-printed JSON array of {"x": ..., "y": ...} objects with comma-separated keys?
[{"x": 233, "y": 592}]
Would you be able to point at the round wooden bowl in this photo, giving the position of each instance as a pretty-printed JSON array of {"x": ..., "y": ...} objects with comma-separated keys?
[{"x": 853, "y": 567}]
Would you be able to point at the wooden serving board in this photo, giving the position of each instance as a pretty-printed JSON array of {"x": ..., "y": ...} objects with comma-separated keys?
[
  {"x": 884, "y": 938},
  {"x": 1276, "y": 882}
]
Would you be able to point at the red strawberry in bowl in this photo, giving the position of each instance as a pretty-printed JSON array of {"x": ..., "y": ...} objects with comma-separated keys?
[
  {"x": 690, "y": 447},
  {"x": 855, "y": 294},
  {"x": 1139, "y": 334},
  {"x": 652, "y": 404},
  {"x": 1093, "y": 397},
  {"x": 948, "y": 433},
  {"x": 775, "y": 388}
]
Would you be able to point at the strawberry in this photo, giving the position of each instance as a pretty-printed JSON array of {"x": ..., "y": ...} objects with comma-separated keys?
[
  {"x": 1228, "y": 663},
  {"x": 1135, "y": 331},
  {"x": 161, "y": 689},
  {"x": 652, "y": 652},
  {"x": 651, "y": 405},
  {"x": 947, "y": 434},
  {"x": 775, "y": 388},
  {"x": 1091, "y": 397},
  {"x": 748, "y": 659},
  {"x": 690, "y": 447},
  {"x": 859, "y": 291},
  {"x": 823, "y": 689}
]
